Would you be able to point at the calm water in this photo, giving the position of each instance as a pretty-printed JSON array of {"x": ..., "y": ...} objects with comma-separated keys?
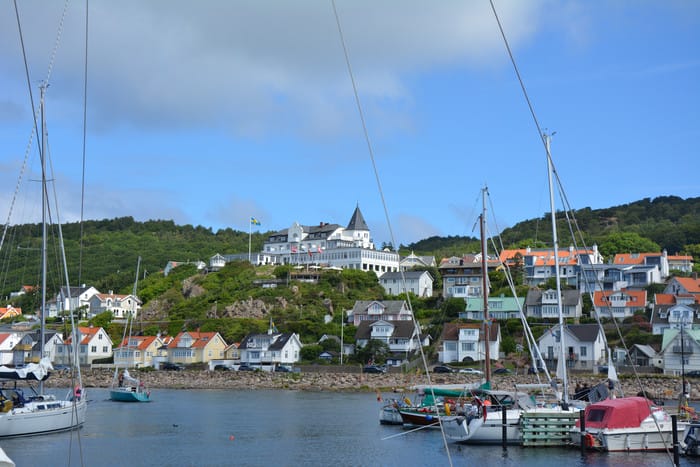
[{"x": 270, "y": 428}]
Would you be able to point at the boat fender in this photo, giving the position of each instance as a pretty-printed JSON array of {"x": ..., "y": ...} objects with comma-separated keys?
[{"x": 588, "y": 440}]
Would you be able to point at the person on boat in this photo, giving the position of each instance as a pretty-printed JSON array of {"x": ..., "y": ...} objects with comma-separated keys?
[{"x": 121, "y": 379}]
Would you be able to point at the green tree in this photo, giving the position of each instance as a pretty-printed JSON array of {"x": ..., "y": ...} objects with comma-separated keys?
[
  {"x": 375, "y": 350},
  {"x": 452, "y": 307},
  {"x": 102, "y": 320},
  {"x": 626, "y": 242},
  {"x": 311, "y": 352}
]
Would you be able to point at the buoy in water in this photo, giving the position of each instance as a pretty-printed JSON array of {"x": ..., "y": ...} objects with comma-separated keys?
[{"x": 231, "y": 438}]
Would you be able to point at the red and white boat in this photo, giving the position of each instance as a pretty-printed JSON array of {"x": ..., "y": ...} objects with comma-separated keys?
[{"x": 626, "y": 424}]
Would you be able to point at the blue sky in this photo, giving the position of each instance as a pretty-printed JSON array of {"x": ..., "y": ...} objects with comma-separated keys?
[{"x": 208, "y": 113}]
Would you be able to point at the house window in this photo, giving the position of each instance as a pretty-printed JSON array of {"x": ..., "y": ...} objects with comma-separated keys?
[
  {"x": 450, "y": 346},
  {"x": 467, "y": 346},
  {"x": 583, "y": 351},
  {"x": 104, "y": 349},
  {"x": 93, "y": 349},
  {"x": 99, "y": 337}
]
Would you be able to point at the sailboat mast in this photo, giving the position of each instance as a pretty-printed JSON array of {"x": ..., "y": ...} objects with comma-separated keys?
[
  {"x": 485, "y": 288},
  {"x": 42, "y": 156},
  {"x": 555, "y": 243}
]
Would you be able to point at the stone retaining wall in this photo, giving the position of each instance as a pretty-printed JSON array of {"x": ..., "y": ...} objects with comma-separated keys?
[{"x": 661, "y": 386}]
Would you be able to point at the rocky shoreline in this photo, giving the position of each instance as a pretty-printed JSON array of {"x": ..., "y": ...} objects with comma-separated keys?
[{"x": 659, "y": 386}]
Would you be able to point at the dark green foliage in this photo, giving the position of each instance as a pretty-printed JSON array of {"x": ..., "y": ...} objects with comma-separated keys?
[
  {"x": 102, "y": 320},
  {"x": 452, "y": 307},
  {"x": 375, "y": 351},
  {"x": 309, "y": 353}
]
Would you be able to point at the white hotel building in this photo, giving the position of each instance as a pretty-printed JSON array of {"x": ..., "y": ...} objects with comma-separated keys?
[{"x": 329, "y": 245}]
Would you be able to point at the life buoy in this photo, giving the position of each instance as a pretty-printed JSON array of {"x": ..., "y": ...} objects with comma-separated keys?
[{"x": 588, "y": 440}]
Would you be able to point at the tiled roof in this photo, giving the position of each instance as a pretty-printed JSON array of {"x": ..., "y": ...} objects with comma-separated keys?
[
  {"x": 635, "y": 298},
  {"x": 690, "y": 284}
]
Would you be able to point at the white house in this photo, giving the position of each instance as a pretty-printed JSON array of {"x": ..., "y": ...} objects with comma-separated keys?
[
  {"x": 400, "y": 336},
  {"x": 93, "y": 344},
  {"x": 419, "y": 283},
  {"x": 349, "y": 247},
  {"x": 673, "y": 312},
  {"x": 466, "y": 342},
  {"x": 680, "y": 350},
  {"x": 120, "y": 306},
  {"x": 414, "y": 260},
  {"x": 79, "y": 297},
  {"x": 270, "y": 349},
  {"x": 544, "y": 304},
  {"x": 8, "y": 341},
  {"x": 373, "y": 310},
  {"x": 584, "y": 346},
  {"x": 619, "y": 304}
]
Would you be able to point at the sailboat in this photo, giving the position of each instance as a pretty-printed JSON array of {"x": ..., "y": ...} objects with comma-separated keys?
[
  {"x": 126, "y": 388},
  {"x": 482, "y": 422},
  {"x": 35, "y": 412}
]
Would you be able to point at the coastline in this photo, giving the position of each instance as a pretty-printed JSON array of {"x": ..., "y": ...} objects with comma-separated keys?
[{"x": 352, "y": 380}]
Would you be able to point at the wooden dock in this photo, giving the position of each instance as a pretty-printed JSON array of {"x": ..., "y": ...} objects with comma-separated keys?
[{"x": 543, "y": 428}]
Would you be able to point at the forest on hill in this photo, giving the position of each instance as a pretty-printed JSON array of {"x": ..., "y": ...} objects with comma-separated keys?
[
  {"x": 107, "y": 253},
  {"x": 665, "y": 223}
]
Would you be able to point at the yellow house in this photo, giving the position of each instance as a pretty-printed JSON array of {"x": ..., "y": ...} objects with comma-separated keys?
[
  {"x": 137, "y": 351},
  {"x": 232, "y": 352},
  {"x": 10, "y": 312},
  {"x": 196, "y": 347}
]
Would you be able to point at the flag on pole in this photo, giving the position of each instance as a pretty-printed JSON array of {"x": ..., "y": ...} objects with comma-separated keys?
[{"x": 254, "y": 221}]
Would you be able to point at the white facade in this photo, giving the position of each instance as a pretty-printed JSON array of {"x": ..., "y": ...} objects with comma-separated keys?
[
  {"x": 331, "y": 245},
  {"x": 584, "y": 346},
  {"x": 467, "y": 342},
  {"x": 121, "y": 306},
  {"x": 419, "y": 283}
]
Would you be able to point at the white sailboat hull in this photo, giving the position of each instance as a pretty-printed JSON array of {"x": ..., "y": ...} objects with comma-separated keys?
[
  {"x": 468, "y": 430},
  {"x": 41, "y": 417}
]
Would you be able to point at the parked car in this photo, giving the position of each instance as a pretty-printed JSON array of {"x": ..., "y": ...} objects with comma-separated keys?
[
  {"x": 245, "y": 367},
  {"x": 443, "y": 369},
  {"x": 532, "y": 370},
  {"x": 172, "y": 366},
  {"x": 283, "y": 369},
  {"x": 502, "y": 371},
  {"x": 471, "y": 371},
  {"x": 693, "y": 374},
  {"x": 222, "y": 368},
  {"x": 374, "y": 369}
]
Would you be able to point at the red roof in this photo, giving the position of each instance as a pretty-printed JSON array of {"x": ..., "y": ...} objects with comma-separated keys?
[
  {"x": 635, "y": 298},
  {"x": 200, "y": 339},
  {"x": 690, "y": 284},
  {"x": 626, "y": 412},
  {"x": 143, "y": 341}
]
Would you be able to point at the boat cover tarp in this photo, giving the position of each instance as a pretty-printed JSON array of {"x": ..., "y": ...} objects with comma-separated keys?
[
  {"x": 626, "y": 412},
  {"x": 33, "y": 371}
]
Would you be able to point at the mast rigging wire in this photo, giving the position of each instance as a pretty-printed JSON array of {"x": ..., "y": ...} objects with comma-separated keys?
[{"x": 416, "y": 326}]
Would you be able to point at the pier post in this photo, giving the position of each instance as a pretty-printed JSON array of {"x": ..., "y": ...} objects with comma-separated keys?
[
  {"x": 582, "y": 422},
  {"x": 674, "y": 430},
  {"x": 504, "y": 427}
]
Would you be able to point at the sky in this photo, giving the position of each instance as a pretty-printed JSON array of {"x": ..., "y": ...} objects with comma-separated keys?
[{"x": 210, "y": 112}]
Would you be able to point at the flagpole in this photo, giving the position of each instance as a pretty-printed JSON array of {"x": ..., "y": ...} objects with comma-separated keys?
[{"x": 250, "y": 233}]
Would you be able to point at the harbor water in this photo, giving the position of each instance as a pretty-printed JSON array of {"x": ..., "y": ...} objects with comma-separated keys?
[{"x": 267, "y": 427}]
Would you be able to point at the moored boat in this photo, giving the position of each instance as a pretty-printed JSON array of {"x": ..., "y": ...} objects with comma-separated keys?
[
  {"x": 482, "y": 421},
  {"x": 626, "y": 424}
]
